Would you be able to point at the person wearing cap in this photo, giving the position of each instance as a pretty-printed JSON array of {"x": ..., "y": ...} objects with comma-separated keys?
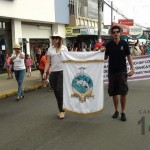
[
  {"x": 54, "y": 58},
  {"x": 19, "y": 68},
  {"x": 117, "y": 50}
]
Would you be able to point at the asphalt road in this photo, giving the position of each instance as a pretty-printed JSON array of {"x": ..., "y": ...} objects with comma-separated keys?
[{"x": 31, "y": 124}]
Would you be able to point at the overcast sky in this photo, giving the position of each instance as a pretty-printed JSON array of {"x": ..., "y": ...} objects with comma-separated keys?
[{"x": 139, "y": 10}]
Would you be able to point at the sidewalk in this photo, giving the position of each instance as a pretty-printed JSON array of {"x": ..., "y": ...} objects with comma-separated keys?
[{"x": 8, "y": 87}]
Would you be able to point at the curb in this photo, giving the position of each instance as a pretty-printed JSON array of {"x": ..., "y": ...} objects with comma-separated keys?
[{"x": 14, "y": 92}]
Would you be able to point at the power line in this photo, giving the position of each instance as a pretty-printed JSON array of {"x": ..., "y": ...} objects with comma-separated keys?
[{"x": 121, "y": 14}]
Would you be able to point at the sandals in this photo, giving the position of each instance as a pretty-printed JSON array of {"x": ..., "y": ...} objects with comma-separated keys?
[
  {"x": 58, "y": 114},
  {"x": 61, "y": 115},
  {"x": 20, "y": 97}
]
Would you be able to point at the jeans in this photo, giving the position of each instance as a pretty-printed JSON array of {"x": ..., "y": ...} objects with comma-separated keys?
[{"x": 19, "y": 75}]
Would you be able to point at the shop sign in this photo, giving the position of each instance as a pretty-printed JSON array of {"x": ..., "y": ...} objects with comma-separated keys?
[
  {"x": 135, "y": 32},
  {"x": 105, "y": 32},
  {"x": 88, "y": 31},
  {"x": 128, "y": 22},
  {"x": 73, "y": 31},
  {"x": 84, "y": 31}
]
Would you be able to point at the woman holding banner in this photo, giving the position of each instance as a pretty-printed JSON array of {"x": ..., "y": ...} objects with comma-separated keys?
[{"x": 54, "y": 59}]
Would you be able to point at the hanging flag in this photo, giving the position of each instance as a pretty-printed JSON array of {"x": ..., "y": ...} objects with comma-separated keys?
[{"x": 83, "y": 81}]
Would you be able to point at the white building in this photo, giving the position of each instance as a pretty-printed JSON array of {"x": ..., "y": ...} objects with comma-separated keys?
[{"x": 31, "y": 22}]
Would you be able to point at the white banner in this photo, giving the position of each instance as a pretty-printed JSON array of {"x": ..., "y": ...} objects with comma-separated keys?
[
  {"x": 83, "y": 81},
  {"x": 141, "y": 65}
]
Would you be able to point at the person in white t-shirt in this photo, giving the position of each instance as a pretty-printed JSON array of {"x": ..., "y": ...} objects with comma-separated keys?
[
  {"x": 19, "y": 68},
  {"x": 54, "y": 58}
]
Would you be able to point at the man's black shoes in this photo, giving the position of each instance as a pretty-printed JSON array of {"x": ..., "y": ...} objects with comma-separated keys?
[
  {"x": 115, "y": 115},
  {"x": 123, "y": 117}
]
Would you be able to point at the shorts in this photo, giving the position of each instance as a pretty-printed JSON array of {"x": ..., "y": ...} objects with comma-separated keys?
[
  {"x": 117, "y": 84},
  {"x": 8, "y": 67}
]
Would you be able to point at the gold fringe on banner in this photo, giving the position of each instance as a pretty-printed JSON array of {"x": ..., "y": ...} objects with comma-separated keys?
[
  {"x": 83, "y": 114},
  {"x": 82, "y": 61}
]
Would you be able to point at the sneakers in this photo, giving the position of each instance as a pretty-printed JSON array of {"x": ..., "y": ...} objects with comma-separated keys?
[
  {"x": 123, "y": 117},
  {"x": 115, "y": 115}
]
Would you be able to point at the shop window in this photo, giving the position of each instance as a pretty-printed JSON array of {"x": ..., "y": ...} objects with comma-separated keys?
[
  {"x": 71, "y": 7},
  {"x": 96, "y": 24},
  {"x": 85, "y": 22},
  {"x": 82, "y": 22},
  {"x": 78, "y": 23},
  {"x": 93, "y": 24},
  {"x": 3, "y": 25},
  {"x": 89, "y": 23},
  {"x": 36, "y": 43},
  {"x": 5, "y": 36}
]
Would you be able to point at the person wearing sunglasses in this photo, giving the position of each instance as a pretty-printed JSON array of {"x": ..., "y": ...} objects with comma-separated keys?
[
  {"x": 118, "y": 50},
  {"x": 54, "y": 59}
]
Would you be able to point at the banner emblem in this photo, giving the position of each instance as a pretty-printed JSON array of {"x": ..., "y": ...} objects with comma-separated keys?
[{"x": 82, "y": 85}]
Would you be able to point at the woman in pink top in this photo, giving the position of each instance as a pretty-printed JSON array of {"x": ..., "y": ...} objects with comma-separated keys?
[
  {"x": 8, "y": 66},
  {"x": 28, "y": 63}
]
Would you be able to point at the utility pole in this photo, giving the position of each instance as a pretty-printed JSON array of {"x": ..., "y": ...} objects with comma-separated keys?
[
  {"x": 99, "y": 19},
  {"x": 112, "y": 13}
]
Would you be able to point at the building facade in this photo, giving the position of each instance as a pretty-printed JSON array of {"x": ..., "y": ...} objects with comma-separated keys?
[
  {"x": 31, "y": 23},
  {"x": 83, "y": 26}
]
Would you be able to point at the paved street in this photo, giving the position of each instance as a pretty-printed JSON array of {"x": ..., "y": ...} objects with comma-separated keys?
[{"x": 31, "y": 124}]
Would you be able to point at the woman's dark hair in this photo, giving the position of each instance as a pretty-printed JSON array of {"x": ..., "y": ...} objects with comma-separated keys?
[
  {"x": 60, "y": 42},
  {"x": 27, "y": 56},
  {"x": 8, "y": 54},
  {"x": 43, "y": 53}
]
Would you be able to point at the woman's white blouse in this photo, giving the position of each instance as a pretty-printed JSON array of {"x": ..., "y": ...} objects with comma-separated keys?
[
  {"x": 18, "y": 62},
  {"x": 56, "y": 61}
]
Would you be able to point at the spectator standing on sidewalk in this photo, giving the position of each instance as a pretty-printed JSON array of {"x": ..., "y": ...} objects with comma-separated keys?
[
  {"x": 42, "y": 63},
  {"x": 117, "y": 50},
  {"x": 28, "y": 63},
  {"x": 8, "y": 66},
  {"x": 19, "y": 68},
  {"x": 136, "y": 50},
  {"x": 54, "y": 58},
  {"x": 38, "y": 56}
]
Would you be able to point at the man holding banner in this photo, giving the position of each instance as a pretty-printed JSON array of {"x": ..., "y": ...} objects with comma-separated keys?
[{"x": 117, "y": 50}]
